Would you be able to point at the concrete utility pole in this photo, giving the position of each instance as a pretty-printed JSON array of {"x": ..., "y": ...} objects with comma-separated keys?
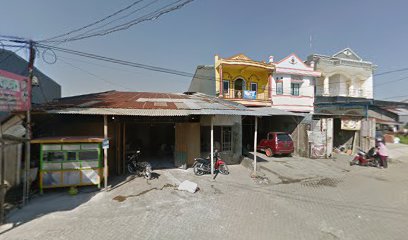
[{"x": 26, "y": 185}]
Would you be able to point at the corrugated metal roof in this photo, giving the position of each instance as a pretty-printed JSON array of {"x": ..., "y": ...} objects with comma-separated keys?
[
  {"x": 147, "y": 104},
  {"x": 269, "y": 111},
  {"x": 152, "y": 112}
]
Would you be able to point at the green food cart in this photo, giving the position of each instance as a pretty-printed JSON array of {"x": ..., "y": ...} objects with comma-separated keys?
[{"x": 70, "y": 161}]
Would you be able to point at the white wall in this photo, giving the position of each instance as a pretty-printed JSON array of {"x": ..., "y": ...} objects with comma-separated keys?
[{"x": 303, "y": 102}]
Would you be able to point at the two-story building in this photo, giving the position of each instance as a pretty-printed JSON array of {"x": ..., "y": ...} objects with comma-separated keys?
[
  {"x": 294, "y": 84},
  {"x": 344, "y": 95},
  {"x": 238, "y": 79},
  {"x": 253, "y": 84}
]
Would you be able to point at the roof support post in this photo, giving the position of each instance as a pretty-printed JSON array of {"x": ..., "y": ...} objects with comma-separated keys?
[
  {"x": 221, "y": 81},
  {"x": 212, "y": 145},
  {"x": 105, "y": 152},
  {"x": 255, "y": 143}
]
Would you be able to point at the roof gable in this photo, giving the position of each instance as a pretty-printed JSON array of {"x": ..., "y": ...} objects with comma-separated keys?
[
  {"x": 294, "y": 62},
  {"x": 239, "y": 57},
  {"x": 347, "y": 53}
]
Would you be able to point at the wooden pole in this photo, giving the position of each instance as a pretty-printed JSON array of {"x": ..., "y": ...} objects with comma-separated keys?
[
  {"x": 105, "y": 152},
  {"x": 255, "y": 142},
  {"x": 212, "y": 145}
]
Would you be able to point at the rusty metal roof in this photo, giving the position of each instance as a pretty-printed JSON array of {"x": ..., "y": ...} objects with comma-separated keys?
[{"x": 146, "y": 104}]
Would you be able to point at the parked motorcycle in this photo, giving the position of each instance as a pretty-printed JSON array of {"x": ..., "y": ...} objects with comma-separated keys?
[
  {"x": 140, "y": 168},
  {"x": 362, "y": 158},
  {"x": 202, "y": 166}
]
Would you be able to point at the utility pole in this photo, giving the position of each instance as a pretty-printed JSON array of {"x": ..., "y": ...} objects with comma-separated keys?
[{"x": 26, "y": 185}]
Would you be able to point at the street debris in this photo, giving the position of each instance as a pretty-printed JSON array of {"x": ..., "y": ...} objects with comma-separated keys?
[{"x": 188, "y": 186}]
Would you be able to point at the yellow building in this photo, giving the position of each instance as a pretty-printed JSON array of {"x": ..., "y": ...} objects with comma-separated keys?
[{"x": 243, "y": 80}]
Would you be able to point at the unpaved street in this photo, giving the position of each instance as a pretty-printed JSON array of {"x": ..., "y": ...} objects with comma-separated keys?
[{"x": 305, "y": 199}]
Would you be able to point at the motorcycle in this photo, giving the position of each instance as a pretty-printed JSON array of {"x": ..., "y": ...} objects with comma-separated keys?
[
  {"x": 140, "y": 168},
  {"x": 202, "y": 166},
  {"x": 362, "y": 158}
]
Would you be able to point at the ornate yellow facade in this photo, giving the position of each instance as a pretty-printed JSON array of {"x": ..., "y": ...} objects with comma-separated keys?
[{"x": 244, "y": 80}]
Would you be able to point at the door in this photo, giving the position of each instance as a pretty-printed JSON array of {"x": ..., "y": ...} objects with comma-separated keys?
[
  {"x": 187, "y": 144},
  {"x": 239, "y": 87}
]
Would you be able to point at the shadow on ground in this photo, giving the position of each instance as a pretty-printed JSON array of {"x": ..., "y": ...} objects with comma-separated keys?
[{"x": 52, "y": 200}]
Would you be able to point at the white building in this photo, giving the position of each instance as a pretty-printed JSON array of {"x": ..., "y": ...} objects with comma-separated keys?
[
  {"x": 344, "y": 74},
  {"x": 293, "y": 85}
]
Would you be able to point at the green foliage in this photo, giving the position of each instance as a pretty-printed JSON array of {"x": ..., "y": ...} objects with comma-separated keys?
[{"x": 403, "y": 139}]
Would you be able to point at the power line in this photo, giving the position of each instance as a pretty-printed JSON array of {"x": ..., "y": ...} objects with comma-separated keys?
[
  {"x": 148, "y": 17},
  {"x": 117, "y": 19},
  {"x": 12, "y": 53},
  {"x": 391, "y": 81},
  {"x": 118, "y": 61},
  {"x": 96, "y": 76},
  {"x": 93, "y": 23},
  {"x": 143, "y": 66},
  {"x": 393, "y": 97},
  {"x": 392, "y": 71}
]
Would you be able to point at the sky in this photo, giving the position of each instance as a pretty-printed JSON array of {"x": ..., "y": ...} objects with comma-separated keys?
[{"x": 191, "y": 36}]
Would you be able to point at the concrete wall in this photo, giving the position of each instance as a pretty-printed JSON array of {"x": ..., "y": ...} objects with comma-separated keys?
[
  {"x": 233, "y": 157},
  {"x": 286, "y": 101}
]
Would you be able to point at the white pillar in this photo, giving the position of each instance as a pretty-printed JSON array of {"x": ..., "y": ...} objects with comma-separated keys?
[
  {"x": 326, "y": 86},
  {"x": 352, "y": 90},
  {"x": 255, "y": 142},
  {"x": 212, "y": 145},
  {"x": 105, "y": 151}
]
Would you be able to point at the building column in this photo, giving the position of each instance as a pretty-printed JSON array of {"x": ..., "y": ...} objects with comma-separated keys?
[
  {"x": 105, "y": 152},
  {"x": 352, "y": 90},
  {"x": 270, "y": 87},
  {"x": 326, "y": 91},
  {"x": 221, "y": 81},
  {"x": 255, "y": 143}
]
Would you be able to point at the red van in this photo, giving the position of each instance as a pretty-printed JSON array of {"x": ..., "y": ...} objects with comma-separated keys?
[{"x": 276, "y": 143}]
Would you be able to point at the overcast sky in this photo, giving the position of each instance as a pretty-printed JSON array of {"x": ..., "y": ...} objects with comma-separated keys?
[{"x": 182, "y": 39}]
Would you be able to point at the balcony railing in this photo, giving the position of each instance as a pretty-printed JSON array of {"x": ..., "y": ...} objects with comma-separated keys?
[
  {"x": 247, "y": 95},
  {"x": 347, "y": 93}
]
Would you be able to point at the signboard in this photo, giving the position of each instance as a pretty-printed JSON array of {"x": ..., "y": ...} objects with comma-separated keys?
[
  {"x": 356, "y": 111},
  {"x": 249, "y": 94},
  {"x": 14, "y": 92},
  {"x": 350, "y": 124}
]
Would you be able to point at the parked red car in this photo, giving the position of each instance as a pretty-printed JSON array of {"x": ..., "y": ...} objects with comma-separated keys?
[{"x": 276, "y": 143}]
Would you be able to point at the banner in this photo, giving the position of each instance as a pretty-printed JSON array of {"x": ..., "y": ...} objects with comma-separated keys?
[
  {"x": 249, "y": 94},
  {"x": 349, "y": 124},
  {"x": 14, "y": 92}
]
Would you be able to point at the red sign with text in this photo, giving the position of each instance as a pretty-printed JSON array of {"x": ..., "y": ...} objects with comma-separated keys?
[{"x": 14, "y": 92}]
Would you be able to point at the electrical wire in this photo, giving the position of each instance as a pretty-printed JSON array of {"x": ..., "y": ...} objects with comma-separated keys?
[
  {"x": 391, "y": 81},
  {"x": 148, "y": 17},
  {"x": 115, "y": 20},
  {"x": 93, "y": 23},
  {"x": 96, "y": 76}
]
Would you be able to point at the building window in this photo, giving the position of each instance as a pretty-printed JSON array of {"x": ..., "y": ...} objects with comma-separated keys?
[
  {"x": 254, "y": 87},
  {"x": 279, "y": 88},
  {"x": 222, "y": 138},
  {"x": 295, "y": 89},
  {"x": 225, "y": 86}
]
